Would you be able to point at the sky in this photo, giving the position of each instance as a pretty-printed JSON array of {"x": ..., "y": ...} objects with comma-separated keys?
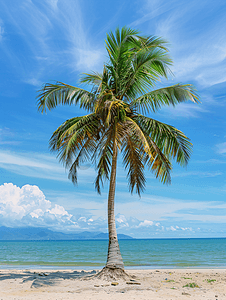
[{"x": 48, "y": 40}]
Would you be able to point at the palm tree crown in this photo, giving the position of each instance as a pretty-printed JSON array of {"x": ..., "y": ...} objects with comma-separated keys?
[{"x": 116, "y": 102}]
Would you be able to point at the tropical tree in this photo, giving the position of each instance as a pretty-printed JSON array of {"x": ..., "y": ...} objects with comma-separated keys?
[{"x": 115, "y": 124}]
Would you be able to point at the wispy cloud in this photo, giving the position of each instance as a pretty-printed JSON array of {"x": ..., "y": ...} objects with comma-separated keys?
[
  {"x": 38, "y": 26},
  {"x": 212, "y": 161},
  {"x": 39, "y": 166},
  {"x": 161, "y": 208},
  {"x": 221, "y": 148},
  {"x": 53, "y": 4},
  {"x": 198, "y": 173},
  {"x": 198, "y": 55},
  {"x": 6, "y": 137},
  {"x": 183, "y": 110}
]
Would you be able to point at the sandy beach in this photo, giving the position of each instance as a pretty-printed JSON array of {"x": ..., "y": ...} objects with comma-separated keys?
[{"x": 156, "y": 284}]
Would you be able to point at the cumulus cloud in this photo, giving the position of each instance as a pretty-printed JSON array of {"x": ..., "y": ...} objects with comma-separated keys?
[
  {"x": 121, "y": 221},
  {"x": 27, "y": 206},
  {"x": 188, "y": 228},
  {"x": 176, "y": 228},
  {"x": 145, "y": 223}
]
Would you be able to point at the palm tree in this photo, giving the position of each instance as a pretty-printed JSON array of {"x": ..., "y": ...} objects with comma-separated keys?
[{"x": 116, "y": 102}]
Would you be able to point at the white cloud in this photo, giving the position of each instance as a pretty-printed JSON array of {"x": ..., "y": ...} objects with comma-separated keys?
[
  {"x": 6, "y": 137},
  {"x": 221, "y": 148},
  {"x": 159, "y": 209},
  {"x": 198, "y": 173},
  {"x": 53, "y": 4},
  {"x": 188, "y": 228},
  {"x": 145, "y": 223},
  {"x": 171, "y": 228},
  {"x": 176, "y": 228},
  {"x": 37, "y": 26},
  {"x": 39, "y": 166},
  {"x": 198, "y": 54},
  {"x": 27, "y": 206},
  {"x": 210, "y": 218},
  {"x": 121, "y": 221},
  {"x": 183, "y": 110},
  {"x": 33, "y": 81}
]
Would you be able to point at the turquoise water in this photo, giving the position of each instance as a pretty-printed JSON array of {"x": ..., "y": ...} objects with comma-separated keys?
[{"x": 155, "y": 253}]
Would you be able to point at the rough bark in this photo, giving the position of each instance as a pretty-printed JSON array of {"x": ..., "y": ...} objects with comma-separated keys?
[{"x": 114, "y": 258}]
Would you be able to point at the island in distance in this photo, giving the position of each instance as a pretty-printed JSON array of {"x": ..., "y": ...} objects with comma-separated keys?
[{"x": 43, "y": 234}]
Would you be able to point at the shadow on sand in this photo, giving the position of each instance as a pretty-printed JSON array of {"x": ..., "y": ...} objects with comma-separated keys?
[{"x": 40, "y": 279}]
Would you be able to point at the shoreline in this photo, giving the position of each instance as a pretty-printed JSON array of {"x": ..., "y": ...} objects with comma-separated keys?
[
  {"x": 68, "y": 284},
  {"x": 94, "y": 267}
]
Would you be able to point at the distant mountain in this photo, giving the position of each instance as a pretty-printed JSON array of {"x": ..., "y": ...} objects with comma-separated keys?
[{"x": 42, "y": 234}]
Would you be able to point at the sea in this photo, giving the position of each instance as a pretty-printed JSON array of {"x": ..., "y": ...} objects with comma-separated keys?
[{"x": 136, "y": 253}]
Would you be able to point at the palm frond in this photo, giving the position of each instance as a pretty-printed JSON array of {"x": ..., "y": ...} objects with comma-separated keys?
[
  {"x": 142, "y": 150},
  {"x": 132, "y": 160},
  {"x": 94, "y": 78},
  {"x": 103, "y": 154},
  {"x": 171, "y": 141},
  {"x": 52, "y": 95},
  {"x": 148, "y": 63},
  {"x": 158, "y": 163},
  {"x": 71, "y": 136},
  {"x": 83, "y": 156},
  {"x": 171, "y": 95},
  {"x": 135, "y": 130}
]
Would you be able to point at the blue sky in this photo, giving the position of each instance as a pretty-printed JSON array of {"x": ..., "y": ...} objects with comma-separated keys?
[{"x": 43, "y": 41}]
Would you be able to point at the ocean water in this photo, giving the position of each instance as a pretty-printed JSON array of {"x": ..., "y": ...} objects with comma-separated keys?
[{"x": 146, "y": 253}]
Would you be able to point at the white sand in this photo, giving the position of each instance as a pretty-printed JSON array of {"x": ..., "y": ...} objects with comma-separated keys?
[{"x": 153, "y": 284}]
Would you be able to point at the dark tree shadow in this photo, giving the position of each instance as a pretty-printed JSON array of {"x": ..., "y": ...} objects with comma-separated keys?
[{"x": 40, "y": 279}]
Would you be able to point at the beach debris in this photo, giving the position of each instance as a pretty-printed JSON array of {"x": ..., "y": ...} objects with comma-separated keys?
[
  {"x": 186, "y": 294},
  {"x": 210, "y": 280},
  {"x": 133, "y": 282},
  {"x": 42, "y": 274},
  {"x": 186, "y": 278},
  {"x": 103, "y": 285},
  {"x": 157, "y": 271},
  {"x": 96, "y": 285},
  {"x": 114, "y": 283}
]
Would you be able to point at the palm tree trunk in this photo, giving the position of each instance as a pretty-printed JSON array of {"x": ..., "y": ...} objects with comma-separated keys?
[{"x": 114, "y": 258}]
